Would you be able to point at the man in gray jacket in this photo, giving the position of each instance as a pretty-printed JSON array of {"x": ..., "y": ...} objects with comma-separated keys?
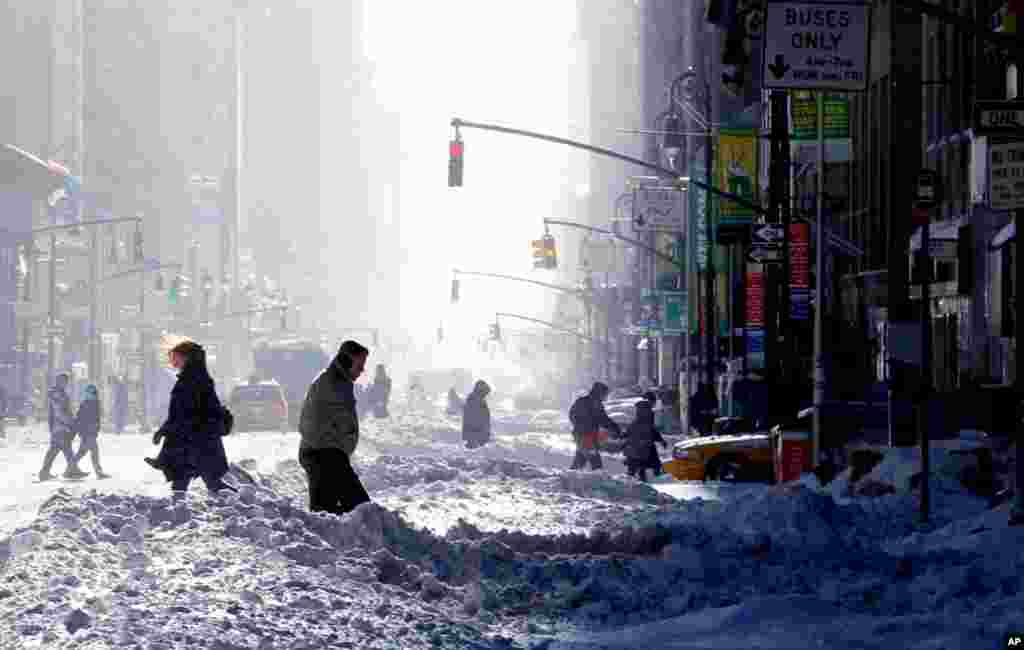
[{"x": 329, "y": 428}]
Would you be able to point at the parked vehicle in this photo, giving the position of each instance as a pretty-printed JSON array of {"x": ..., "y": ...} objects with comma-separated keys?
[
  {"x": 741, "y": 457},
  {"x": 259, "y": 407}
]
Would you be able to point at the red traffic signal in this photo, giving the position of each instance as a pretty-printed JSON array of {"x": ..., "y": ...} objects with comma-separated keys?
[
  {"x": 455, "y": 290},
  {"x": 455, "y": 160}
]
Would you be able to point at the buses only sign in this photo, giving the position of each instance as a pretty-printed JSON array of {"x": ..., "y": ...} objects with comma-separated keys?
[{"x": 816, "y": 45}]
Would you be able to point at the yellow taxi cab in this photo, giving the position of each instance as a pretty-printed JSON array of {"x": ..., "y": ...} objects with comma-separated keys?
[{"x": 741, "y": 457}]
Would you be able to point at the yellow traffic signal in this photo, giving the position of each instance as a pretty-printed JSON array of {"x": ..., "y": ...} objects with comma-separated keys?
[{"x": 544, "y": 255}]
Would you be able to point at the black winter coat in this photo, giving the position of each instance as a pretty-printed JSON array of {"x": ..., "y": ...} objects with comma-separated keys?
[
  {"x": 87, "y": 420},
  {"x": 476, "y": 420},
  {"x": 588, "y": 415},
  {"x": 194, "y": 428}
]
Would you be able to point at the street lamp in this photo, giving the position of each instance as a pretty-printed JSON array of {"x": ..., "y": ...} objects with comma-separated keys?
[{"x": 693, "y": 91}]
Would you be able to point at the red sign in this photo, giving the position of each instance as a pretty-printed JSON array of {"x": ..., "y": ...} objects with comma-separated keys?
[
  {"x": 755, "y": 299},
  {"x": 800, "y": 256}
]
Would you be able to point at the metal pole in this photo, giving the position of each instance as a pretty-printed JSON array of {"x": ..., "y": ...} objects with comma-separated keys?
[
  {"x": 51, "y": 320},
  {"x": 819, "y": 266},
  {"x": 143, "y": 357},
  {"x": 926, "y": 362},
  {"x": 1018, "y": 380},
  {"x": 709, "y": 273},
  {"x": 94, "y": 273}
]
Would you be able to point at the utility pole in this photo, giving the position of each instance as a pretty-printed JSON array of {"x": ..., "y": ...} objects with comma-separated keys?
[
  {"x": 51, "y": 319},
  {"x": 709, "y": 226},
  {"x": 94, "y": 276}
]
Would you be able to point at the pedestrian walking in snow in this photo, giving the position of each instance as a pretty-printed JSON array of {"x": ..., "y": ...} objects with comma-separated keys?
[
  {"x": 329, "y": 428},
  {"x": 641, "y": 435},
  {"x": 476, "y": 417},
  {"x": 87, "y": 426},
  {"x": 588, "y": 417},
  {"x": 61, "y": 420},
  {"x": 379, "y": 393},
  {"x": 196, "y": 423}
]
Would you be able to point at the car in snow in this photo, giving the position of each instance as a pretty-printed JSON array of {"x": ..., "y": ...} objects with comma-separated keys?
[
  {"x": 259, "y": 407},
  {"x": 742, "y": 457}
]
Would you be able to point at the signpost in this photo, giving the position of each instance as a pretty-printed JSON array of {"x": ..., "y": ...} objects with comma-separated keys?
[
  {"x": 995, "y": 117},
  {"x": 800, "y": 271},
  {"x": 1006, "y": 176},
  {"x": 816, "y": 45},
  {"x": 657, "y": 207}
]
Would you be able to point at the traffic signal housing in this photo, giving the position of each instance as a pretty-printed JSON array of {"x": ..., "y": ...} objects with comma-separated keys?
[
  {"x": 175, "y": 290},
  {"x": 284, "y": 320},
  {"x": 137, "y": 246},
  {"x": 495, "y": 332},
  {"x": 544, "y": 254},
  {"x": 455, "y": 290},
  {"x": 456, "y": 149}
]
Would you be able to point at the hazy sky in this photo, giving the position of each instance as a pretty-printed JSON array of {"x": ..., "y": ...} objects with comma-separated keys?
[{"x": 486, "y": 61}]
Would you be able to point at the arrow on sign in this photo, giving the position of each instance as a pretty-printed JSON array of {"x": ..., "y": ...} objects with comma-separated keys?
[
  {"x": 765, "y": 255},
  {"x": 768, "y": 233},
  {"x": 780, "y": 67}
]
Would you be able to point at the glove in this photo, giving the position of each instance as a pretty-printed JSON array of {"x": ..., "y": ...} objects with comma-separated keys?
[{"x": 158, "y": 436}]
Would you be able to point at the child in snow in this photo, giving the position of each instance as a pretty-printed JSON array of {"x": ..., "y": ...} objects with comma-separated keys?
[
  {"x": 640, "y": 438},
  {"x": 87, "y": 426}
]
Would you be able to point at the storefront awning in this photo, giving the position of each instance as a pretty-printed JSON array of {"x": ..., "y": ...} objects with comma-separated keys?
[
  {"x": 1005, "y": 235},
  {"x": 944, "y": 230}
]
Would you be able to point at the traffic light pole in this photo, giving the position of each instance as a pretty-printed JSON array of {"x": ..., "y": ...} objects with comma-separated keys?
[
  {"x": 649, "y": 249},
  {"x": 665, "y": 171},
  {"x": 582, "y": 337},
  {"x": 517, "y": 279}
]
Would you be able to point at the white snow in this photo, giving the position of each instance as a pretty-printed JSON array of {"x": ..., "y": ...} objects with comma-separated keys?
[{"x": 500, "y": 547}]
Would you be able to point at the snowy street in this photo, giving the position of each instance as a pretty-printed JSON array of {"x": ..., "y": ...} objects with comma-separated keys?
[{"x": 498, "y": 548}]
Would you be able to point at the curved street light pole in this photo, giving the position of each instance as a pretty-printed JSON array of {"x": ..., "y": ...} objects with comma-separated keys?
[
  {"x": 547, "y": 324},
  {"x": 500, "y": 276}
]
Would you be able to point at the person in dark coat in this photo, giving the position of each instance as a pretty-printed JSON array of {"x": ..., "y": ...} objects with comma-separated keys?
[
  {"x": 196, "y": 423},
  {"x": 476, "y": 417},
  {"x": 62, "y": 433},
  {"x": 640, "y": 438},
  {"x": 379, "y": 393},
  {"x": 329, "y": 427},
  {"x": 588, "y": 416},
  {"x": 87, "y": 426},
  {"x": 704, "y": 406}
]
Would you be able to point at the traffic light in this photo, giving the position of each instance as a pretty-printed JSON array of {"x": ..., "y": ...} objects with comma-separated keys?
[
  {"x": 376, "y": 338},
  {"x": 495, "y": 332},
  {"x": 455, "y": 290},
  {"x": 440, "y": 334},
  {"x": 284, "y": 319},
  {"x": 455, "y": 160},
  {"x": 544, "y": 255},
  {"x": 158, "y": 285},
  {"x": 175, "y": 290},
  {"x": 137, "y": 246}
]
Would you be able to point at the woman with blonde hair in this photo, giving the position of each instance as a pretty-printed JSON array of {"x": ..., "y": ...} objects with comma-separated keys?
[{"x": 195, "y": 424}]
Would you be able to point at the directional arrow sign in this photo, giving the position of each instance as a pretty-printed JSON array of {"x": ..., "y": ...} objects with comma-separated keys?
[
  {"x": 999, "y": 117},
  {"x": 766, "y": 233},
  {"x": 770, "y": 254},
  {"x": 816, "y": 45}
]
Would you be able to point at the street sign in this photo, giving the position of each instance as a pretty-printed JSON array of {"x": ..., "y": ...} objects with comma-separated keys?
[
  {"x": 658, "y": 208},
  {"x": 994, "y": 117},
  {"x": 765, "y": 253},
  {"x": 816, "y": 45},
  {"x": 767, "y": 233},
  {"x": 1006, "y": 176}
]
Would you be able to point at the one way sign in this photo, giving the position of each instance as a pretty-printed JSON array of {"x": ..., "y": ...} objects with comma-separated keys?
[
  {"x": 765, "y": 254},
  {"x": 767, "y": 233}
]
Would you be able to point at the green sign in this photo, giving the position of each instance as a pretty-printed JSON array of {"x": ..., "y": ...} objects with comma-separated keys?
[
  {"x": 675, "y": 312},
  {"x": 804, "y": 112}
]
